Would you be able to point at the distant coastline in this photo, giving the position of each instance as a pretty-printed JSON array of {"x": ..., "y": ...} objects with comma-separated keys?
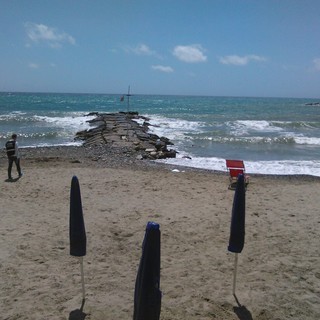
[{"x": 156, "y": 94}]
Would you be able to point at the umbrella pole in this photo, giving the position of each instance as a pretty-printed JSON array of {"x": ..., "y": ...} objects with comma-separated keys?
[
  {"x": 82, "y": 279},
  {"x": 234, "y": 279},
  {"x": 235, "y": 274}
]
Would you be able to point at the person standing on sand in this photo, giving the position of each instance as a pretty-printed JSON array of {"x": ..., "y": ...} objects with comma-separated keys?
[{"x": 13, "y": 155}]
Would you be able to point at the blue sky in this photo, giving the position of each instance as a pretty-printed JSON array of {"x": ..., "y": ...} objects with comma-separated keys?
[{"x": 267, "y": 48}]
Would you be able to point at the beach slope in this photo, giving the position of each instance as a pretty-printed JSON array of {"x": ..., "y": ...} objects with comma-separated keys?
[{"x": 278, "y": 270}]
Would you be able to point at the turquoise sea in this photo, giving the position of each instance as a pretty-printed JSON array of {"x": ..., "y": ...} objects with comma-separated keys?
[{"x": 272, "y": 135}]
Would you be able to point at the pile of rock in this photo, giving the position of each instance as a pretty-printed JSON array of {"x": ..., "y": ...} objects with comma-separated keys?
[{"x": 126, "y": 129}]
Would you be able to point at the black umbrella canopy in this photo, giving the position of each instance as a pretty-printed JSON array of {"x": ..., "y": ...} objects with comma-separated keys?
[
  {"x": 147, "y": 295},
  {"x": 237, "y": 230},
  {"x": 77, "y": 232}
]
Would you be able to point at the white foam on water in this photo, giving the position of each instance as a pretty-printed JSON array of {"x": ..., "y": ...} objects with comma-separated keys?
[
  {"x": 307, "y": 140},
  {"x": 66, "y": 144},
  {"x": 14, "y": 115},
  {"x": 139, "y": 121},
  {"x": 241, "y": 127},
  {"x": 173, "y": 129},
  {"x": 285, "y": 167},
  {"x": 70, "y": 122}
]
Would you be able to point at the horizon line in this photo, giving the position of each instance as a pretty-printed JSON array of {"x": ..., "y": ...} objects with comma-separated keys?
[{"x": 155, "y": 94}]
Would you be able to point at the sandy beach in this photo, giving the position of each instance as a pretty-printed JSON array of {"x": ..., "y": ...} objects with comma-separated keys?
[{"x": 278, "y": 270}]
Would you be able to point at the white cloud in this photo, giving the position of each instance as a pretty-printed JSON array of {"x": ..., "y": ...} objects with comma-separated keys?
[
  {"x": 241, "y": 61},
  {"x": 33, "y": 65},
  {"x": 143, "y": 49},
  {"x": 191, "y": 54},
  {"x": 316, "y": 64},
  {"x": 42, "y": 33},
  {"x": 166, "y": 69}
]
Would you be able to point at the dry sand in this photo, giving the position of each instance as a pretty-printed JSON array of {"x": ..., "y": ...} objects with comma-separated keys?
[{"x": 278, "y": 270}]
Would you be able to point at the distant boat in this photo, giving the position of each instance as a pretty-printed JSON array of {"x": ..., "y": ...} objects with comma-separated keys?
[{"x": 312, "y": 104}]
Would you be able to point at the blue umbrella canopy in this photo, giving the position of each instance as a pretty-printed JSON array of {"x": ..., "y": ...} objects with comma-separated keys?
[
  {"x": 77, "y": 232},
  {"x": 147, "y": 295},
  {"x": 237, "y": 230}
]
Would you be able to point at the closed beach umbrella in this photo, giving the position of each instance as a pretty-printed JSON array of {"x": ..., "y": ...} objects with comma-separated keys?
[
  {"x": 237, "y": 230},
  {"x": 77, "y": 232},
  {"x": 147, "y": 295}
]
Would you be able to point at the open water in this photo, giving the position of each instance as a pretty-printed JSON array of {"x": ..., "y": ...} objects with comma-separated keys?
[{"x": 272, "y": 135}]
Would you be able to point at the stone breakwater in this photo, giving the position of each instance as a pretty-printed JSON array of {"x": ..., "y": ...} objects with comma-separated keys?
[{"x": 126, "y": 130}]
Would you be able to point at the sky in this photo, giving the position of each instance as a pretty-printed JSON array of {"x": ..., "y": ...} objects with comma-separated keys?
[{"x": 259, "y": 48}]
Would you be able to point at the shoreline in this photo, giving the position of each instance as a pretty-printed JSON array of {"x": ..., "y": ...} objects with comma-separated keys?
[
  {"x": 277, "y": 278},
  {"x": 121, "y": 157}
]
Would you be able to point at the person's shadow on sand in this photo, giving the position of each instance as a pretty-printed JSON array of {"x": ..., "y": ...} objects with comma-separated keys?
[{"x": 78, "y": 314}]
